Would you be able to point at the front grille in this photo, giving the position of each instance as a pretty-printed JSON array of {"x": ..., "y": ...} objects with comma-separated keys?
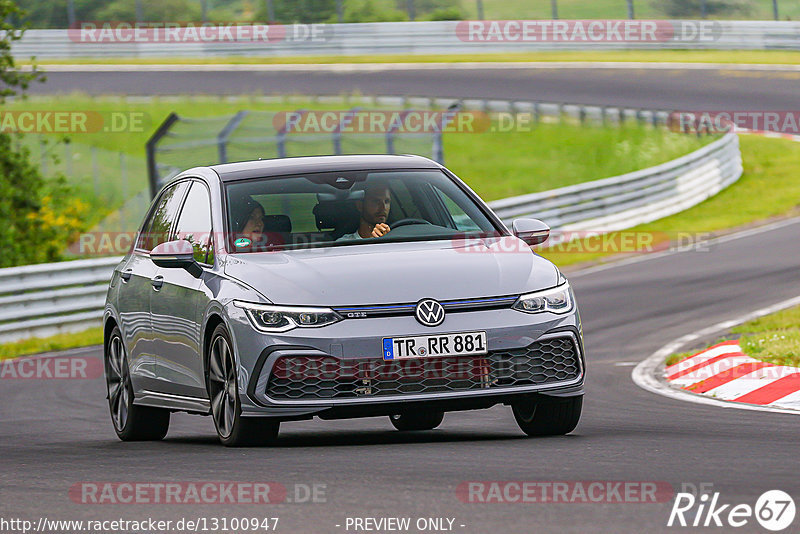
[{"x": 310, "y": 377}]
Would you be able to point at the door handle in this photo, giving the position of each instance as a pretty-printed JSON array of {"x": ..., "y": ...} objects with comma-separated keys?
[
  {"x": 157, "y": 282},
  {"x": 126, "y": 275}
]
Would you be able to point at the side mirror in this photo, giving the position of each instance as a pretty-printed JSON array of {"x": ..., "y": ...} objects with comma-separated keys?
[
  {"x": 176, "y": 255},
  {"x": 532, "y": 231}
]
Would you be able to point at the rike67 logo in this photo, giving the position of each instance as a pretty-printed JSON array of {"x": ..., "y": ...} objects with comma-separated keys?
[{"x": 774, "y": 510}]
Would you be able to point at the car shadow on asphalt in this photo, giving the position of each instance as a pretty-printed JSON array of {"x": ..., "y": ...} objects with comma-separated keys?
[{"x": 375, "y": 437}]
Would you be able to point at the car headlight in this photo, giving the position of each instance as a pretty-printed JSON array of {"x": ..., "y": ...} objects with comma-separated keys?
[
  {"x": 555, "y": 300},
  {"x": 269, "y": 318}
]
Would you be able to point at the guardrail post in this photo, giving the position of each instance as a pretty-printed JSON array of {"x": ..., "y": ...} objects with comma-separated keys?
[
  {"x": 95, "y": 171},
  {"x": 68, "y": 157},
  {"x": 43, "y": 155},
  {"x": 337, "y": 133},
  {"x": 150, "y": 149},
  {"x": 438, "y": 142},
  {"x": 225, "y": 134},
  {"x": 280, "y": 141}
]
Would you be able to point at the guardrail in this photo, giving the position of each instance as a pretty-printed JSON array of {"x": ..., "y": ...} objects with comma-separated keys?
[
  {"x": 414, "y": 38},
  {"x": 45, "y": 299},
  {"x": 40, "y": 300},
  {"x": 635, "y": 198}
]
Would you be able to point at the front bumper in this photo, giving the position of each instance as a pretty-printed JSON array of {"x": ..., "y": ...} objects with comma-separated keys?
[{"x": 357, "y": 340}]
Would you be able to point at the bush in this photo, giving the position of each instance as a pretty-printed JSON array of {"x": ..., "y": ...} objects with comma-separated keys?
[
  {"x": 370, "y": 11},
  {"x": 693, "y": 8},
  {"x": 299, "y": 11},
  {"x": 448, "y": 13},
  {"x": 153, "y": 10}
]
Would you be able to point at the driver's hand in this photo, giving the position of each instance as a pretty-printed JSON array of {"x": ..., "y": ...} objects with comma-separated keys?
[{"x": 380, "y": 229}]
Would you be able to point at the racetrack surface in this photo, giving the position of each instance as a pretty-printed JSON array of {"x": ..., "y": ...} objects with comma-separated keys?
[
  {"x": 672, "y": 89},
  {"x": 54, "y": 434}
]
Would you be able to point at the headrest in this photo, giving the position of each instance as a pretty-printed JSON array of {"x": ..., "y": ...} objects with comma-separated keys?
[
  {"x": 277, "y": 223},
  {"x": 336, "y": 215}
]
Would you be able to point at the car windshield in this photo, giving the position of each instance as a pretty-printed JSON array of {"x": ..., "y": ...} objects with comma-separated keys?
[{"x": 350, "y": 208}]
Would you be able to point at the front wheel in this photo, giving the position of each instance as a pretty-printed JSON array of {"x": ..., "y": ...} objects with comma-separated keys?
[
  {"x": 226, "y": 410},
  {"x": 131, "y": 422},
  {"x": 548, "y": 417},
  {"x": 417, "y": 421}
]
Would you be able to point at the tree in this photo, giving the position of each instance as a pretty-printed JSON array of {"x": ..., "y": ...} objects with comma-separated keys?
[
  {"x": 694, "y": 8},
  {"x": 37, "y": 216},
  {"x": 299, "y": 11}
]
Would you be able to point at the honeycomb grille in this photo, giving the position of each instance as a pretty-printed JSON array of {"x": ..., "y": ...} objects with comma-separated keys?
[{"x": 306, "y": 377}]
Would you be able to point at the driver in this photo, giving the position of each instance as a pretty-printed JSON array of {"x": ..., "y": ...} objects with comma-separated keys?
[{"x": 374, "y": 210}]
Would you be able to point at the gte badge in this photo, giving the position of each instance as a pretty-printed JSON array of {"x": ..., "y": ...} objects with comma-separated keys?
[{"x": 774, "y": 510}]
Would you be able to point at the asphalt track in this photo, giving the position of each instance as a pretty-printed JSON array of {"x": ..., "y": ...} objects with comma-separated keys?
[
  {"x": 679, "y": 89},
  {"x": 54, "y": 434}
]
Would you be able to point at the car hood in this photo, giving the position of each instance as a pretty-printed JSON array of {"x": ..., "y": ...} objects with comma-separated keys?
[{"x": 383, "y": 273}]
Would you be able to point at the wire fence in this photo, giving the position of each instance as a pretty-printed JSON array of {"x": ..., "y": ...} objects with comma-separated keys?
[{"x": 247, "y": 135}]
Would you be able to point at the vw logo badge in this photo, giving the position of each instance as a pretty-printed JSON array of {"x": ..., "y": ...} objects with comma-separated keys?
[{"x": 429, "y": 312}]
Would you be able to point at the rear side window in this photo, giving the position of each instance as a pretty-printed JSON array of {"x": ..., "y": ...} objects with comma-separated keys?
[
  {"x": 159, "y": 226},
  {"x": 194, "y": 223}
]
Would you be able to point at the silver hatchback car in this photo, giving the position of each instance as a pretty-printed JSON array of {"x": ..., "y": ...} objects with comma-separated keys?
[{"x": 337, "y": 287}]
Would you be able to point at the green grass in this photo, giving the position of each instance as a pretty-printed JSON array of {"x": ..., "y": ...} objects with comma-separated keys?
[
  {"x": 92, "y": 336},
  {"x": 775, "y": 57},
  {"x": 770, "y": 175},
  {"x": 495, "y": 164},
  {"x": 774, "y": 338},
  {"x": 502, "y": 165}
]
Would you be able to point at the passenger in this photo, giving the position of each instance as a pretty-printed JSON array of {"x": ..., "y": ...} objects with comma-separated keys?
[{"x": 249, "y": 220}]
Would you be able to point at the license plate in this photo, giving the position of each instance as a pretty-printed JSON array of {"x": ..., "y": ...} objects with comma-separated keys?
[{"x": 462, "y": 343}]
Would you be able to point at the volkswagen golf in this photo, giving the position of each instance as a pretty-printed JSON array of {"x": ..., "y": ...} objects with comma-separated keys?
[{"x": 337, "y": 287}]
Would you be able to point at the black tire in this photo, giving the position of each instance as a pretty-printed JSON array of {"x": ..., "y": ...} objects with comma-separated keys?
[
  {"x": 416, "y": 421},
  {"x": 548, "y": 417},
  {"x": 223, "y": 392},
  {"x": 131, "y": 422}
]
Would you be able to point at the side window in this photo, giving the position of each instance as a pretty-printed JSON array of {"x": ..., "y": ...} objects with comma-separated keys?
[
  {"x": 158, "y": 229},
  {"x": 194, "y": 223},
  {"x": 403, "y": 205},
  {"x": 463, "y": 221}
]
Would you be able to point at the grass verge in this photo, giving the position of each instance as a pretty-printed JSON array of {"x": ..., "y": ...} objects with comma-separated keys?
[
  {"x": 774, "y": 338},
  {"x": 766, "y": 57},
  {"x": 768, "y": 189},
  {"x": 86, "y": 338},
  {"x": 496, "y": 164}
]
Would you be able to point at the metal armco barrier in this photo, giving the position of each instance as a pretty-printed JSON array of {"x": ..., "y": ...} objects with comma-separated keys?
[
  {"x": 634, "y": 198},
  {"x": 45, "y": 299},
  {"x": 41, "y": 300},
  {"x": 412, "y": 38}
]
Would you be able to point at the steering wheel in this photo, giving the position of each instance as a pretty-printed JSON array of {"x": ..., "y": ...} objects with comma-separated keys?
[{"x": 406, "y": 222}]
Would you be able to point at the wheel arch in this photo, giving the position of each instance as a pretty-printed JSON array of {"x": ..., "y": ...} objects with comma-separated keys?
[
  {"x": 108, "y": 327},
  {"x": 213, "y": 321}
]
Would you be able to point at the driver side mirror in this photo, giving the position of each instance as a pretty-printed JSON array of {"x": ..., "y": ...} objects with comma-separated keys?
[
  {"x": 532, "y": 231},
  {"x": 176, "y": 255}
]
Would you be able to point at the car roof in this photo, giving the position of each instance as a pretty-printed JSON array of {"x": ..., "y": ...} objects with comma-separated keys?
[{"x": 302, "y": 165}]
